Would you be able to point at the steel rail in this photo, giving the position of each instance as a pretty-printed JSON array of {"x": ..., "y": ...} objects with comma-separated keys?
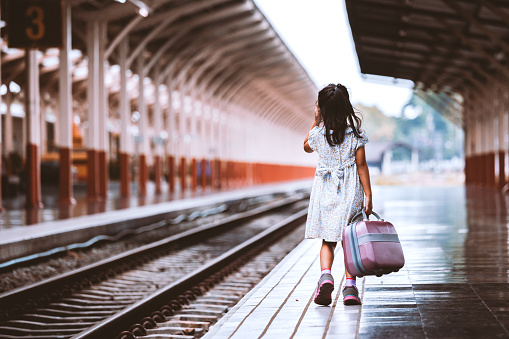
[
  {"x": 48, "y": 289},
  {"x": 112, "y": 326}
]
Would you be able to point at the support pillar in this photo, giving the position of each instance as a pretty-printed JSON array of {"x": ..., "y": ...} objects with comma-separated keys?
[
  {"x": 158, "y": 122},
  {"x": 8, "y": 123},
  {"x": 182, "y": 141},
  {"x": 142, "y": 109},
  {"x": 8, "y": 137},
  {"x": 171, "y": 173},
  {"x": 194, "y": 143},
  {"x": 103, "y": 174},
  {"x": 158, "y": 175},
  {"x": 183, "y": 174},
  {"x": 212, "y": 174},
  {"x": 502, "y": 134},
  {"x": 203, "y": 174},
  {"x": 170, "y": 128},
  {"x": 214, "y": 144},
  {"x": 6, "y": 153},
  {"x": 33, "y": 162},
  {"x": 203, "y": 145},
  {"x": 491, "y": 135},
  {"x": 103, "y": 115},
  {"x": 194, "y": 179},
  {"x": 479, "y": 142},
  {"x": 231, "y": 175},
  {"x": 228, "y": 174},
  {"x": 44, "y": 138},
  {"x": 505, "y": 109},
  {"x": 65, "y": 118},
  {"x": 466, "y": 131},
  {"x": 142, "y": 175},
  {"x": 93, "y": 111},
  {"x": 219, "y": 175},
  {"x": 125, "y": 118}
]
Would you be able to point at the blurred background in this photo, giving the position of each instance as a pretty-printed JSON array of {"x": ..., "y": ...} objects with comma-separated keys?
[{"x": 411, "y": 142}]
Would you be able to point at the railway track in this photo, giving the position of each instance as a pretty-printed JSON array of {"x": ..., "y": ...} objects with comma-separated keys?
[{"x": 150, "y": 284}]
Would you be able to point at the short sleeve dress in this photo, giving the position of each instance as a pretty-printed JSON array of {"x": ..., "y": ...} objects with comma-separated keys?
[{"x": 337, "y": 193}]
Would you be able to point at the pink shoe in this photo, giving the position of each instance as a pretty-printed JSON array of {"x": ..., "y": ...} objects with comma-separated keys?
[
  {"x": 324, "y": 290},
  {"x": 351, "y": 295}
]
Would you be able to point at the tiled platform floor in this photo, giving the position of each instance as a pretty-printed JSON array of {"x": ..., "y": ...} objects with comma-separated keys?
[{"x": 455, "y": 283}]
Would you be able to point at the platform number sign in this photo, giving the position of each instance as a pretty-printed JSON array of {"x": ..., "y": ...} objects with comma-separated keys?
[{"x": 34, "y": 23}]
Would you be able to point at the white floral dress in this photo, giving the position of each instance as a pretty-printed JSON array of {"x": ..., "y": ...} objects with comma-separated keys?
[{"x": 337, "y": 193}]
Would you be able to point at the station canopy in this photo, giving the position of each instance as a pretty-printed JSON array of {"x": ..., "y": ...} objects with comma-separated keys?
[
  {"x": 221, "y": 50},
  {"x": 446, "y": 47}
]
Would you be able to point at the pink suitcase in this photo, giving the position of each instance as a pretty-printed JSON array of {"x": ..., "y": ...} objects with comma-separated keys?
[{"x": 371, "y": 247}]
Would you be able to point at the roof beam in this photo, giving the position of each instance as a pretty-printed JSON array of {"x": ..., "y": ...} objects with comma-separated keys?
[
  {"x": 376, "y": 5},
  {"x": 475, "y": 47},
  {"x": 494, "y": 38},
  {"x": 495, "y": 10},
  {"x": 162, "y": 25},
  {"x": 451, "y": 54}
]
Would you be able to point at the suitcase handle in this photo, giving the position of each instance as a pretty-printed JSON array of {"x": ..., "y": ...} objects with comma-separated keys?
[{"x": 364, "y": 216}]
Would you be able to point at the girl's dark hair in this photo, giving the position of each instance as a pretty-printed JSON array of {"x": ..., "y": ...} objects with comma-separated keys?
[{"x": 337, "y": 113}]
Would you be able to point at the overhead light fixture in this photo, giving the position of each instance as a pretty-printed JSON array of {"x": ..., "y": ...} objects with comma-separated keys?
[
  {"x": 143, "y": 12},
  {"x": 143, "y": 9},
  {"x": 500, "y": 56}
]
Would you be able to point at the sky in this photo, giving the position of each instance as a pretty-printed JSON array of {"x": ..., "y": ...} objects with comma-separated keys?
[{"x": 318, "y": 34}]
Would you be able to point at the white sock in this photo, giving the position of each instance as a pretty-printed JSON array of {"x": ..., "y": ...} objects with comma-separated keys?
[{"x": 351, "y": 282}]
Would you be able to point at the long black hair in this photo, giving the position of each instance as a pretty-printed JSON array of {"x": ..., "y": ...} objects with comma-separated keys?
[{"x": 337, "y": 113}]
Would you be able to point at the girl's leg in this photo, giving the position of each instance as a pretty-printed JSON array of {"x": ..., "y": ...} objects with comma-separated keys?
[
  {"x": 326, "y": 281},
  {"x": 348, "y": 275},
  {"x": 350, "y": 292},
  {"x": 327, "y": 254}
]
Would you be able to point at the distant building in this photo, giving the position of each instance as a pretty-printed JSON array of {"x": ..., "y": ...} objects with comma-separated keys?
[{"x": 379, "y": 154}]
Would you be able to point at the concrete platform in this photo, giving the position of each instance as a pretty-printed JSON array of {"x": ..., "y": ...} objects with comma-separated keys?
[
  {"x": 23, "y": 241},
  {"x": 455, "y": 283}
]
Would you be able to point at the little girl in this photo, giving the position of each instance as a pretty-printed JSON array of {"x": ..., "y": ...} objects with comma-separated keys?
[{"x": 341, "y": 182}]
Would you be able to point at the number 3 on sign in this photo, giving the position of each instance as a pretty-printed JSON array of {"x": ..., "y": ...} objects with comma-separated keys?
[{"x": 36, "y": 30}]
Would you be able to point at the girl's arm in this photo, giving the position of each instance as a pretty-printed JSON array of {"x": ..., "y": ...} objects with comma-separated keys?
[
  {"x": 307, "y": 148},
  {"x": 362, "y": 168}
]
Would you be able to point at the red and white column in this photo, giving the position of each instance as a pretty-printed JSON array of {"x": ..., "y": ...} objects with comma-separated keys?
[
  {"x": 194, "y": 142},
  {"x": 6, "y": 153},
  {"x": 143, "y": 123},
  {"x": 65, "y": 118},
  {"x": 103, "y": 115},
  {"x": 33, "y": 117},
  {"x": 170, "y": 145},
  {"x": 93, "y": 38},
  {"x": 158, "y": 122},
  {"x": 125, "y": 123},
  {"x": 203, "y": 144},
  {"x": 214, "y": 144},
  {"x": 182, "y": 135},
  {"x": 9, "y": 146},
  {"x": 504, "y": 97}
]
